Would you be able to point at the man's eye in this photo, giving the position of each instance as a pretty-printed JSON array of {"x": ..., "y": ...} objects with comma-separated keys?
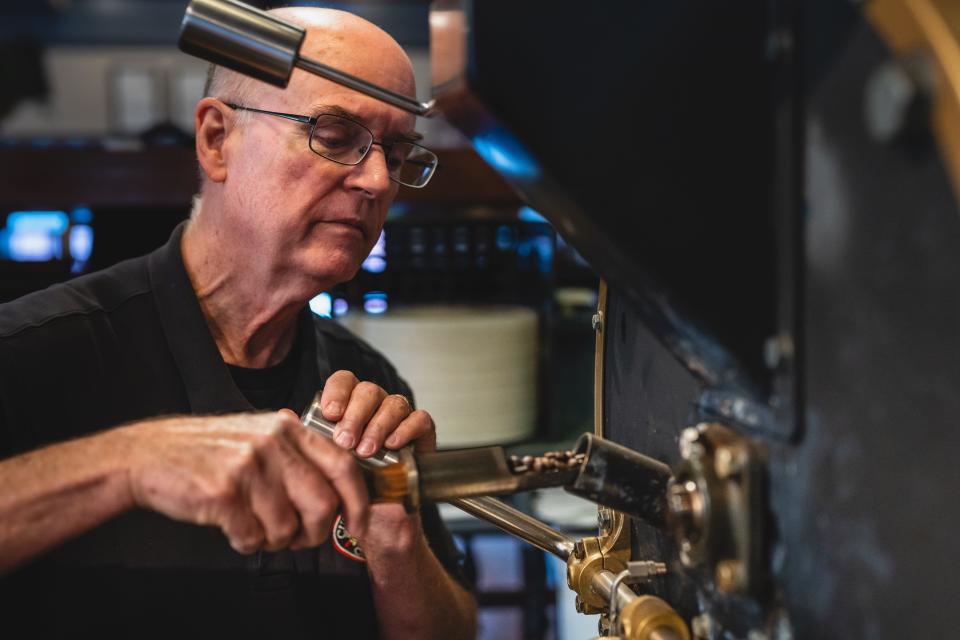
[
  {"x": 332, "y": 137},
  {"x": 397, "y": 156}
]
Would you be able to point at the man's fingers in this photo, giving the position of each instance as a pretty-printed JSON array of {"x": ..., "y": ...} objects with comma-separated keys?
[
  {"x": 315, "y": 501},
  {"x": 341, "y": 471},
  {"x": 242, "y": 529},
  {"x": 336, "y": 395},
  {"x": 364, "y": 402},
  {"x": 417, "y": 428},
  {"x": 273, "y": 508},
  {"x": 392, "y": 412}
]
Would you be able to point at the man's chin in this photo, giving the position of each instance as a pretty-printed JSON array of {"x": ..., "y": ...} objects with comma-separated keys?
[{"x": 329, "y": 274}]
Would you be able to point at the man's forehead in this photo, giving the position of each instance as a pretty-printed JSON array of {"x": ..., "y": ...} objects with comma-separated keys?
[{"x": 400, "y": 124}]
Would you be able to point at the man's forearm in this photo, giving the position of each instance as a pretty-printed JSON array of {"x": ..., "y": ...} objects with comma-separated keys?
[
  {"x": 415, "y": 597},
  {"x": 56, "y": 493}
]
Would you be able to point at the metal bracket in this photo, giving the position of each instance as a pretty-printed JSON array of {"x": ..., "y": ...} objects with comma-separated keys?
[
  {"x": 715, "y": 507},
  {"x": 610, "y": 551}
]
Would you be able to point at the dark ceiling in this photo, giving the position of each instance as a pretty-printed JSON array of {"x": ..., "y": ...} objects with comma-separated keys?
[{"x": 133, "y": 22}]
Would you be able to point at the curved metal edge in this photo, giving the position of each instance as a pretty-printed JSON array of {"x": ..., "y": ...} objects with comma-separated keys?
[
  {"x": 931, "y": 27},
  {"x": 600, "y": 326}
]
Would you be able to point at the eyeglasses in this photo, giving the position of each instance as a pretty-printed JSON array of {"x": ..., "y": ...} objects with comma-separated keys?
[{"x": 348, "y": 142}]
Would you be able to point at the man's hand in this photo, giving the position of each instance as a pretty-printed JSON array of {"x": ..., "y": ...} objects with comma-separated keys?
[
  {"x": 369, "y": 418},
  {"x": 264, "y": 479}
]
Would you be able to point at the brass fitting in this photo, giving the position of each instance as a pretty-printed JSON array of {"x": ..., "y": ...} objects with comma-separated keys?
[
  {"x": 610, "y": 551},
  {"x": 648, "y": 617}
]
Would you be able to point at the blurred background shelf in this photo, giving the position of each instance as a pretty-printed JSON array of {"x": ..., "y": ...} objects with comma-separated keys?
[{"x": 62, "y": 175}]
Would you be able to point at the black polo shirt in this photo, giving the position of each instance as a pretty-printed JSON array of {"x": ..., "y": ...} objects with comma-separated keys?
[{"x": 131, "y": 342}]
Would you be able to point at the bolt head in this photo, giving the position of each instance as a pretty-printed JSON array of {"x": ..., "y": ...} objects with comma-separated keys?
[
  {"x": 604, "y": 520},
  {"x": 730, "y": 576},
  {"x": 728, "y": 461},
  {"x": 596, "y": 322},
  {"x": 702, "y": 626},
  {"x": 894, "y": 101},
  {"x": 689, "y": 438},
  {"x": 679, "y": 500}
]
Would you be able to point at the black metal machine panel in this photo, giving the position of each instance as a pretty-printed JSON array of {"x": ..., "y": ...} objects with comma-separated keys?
[
  {"x": 864, "y": 504},
  {"x": 773, "y": 267}
]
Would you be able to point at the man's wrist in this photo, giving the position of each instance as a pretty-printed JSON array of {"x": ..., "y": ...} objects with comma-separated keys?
[
  {"x": 389, "y": 539},
  {"x": 115, "y": 452}
]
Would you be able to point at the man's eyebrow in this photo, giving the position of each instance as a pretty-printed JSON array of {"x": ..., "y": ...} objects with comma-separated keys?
[{"x": 407, "y": 136}]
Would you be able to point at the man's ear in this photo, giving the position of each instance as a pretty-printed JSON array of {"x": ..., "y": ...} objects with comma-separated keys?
[{"x": 213, "y": 122}]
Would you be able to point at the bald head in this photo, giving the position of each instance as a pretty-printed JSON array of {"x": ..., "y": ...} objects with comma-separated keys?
[{"x": 336, "y": 38}]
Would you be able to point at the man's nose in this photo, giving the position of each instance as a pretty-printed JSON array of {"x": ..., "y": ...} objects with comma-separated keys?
[{"x": 371, "y": 176}]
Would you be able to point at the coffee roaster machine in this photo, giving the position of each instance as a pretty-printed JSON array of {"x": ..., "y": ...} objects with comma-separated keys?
[{"x": 769, "y": 190}]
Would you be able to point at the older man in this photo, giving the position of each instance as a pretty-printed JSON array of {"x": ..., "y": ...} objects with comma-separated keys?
[{"x": 99, "y": 529}]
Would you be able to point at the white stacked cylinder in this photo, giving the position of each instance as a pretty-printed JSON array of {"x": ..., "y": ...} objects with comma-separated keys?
[{"x": 473, "y": 368}]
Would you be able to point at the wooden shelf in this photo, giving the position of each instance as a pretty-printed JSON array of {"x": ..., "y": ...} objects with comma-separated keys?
[{"x": 59, "y": 177}]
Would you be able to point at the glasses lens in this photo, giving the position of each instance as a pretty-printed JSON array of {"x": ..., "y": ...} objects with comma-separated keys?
[
  {"x": 347, "y": 142},
  {"x": 411, "y": 164},
  {"x": 340, "y": 140}
]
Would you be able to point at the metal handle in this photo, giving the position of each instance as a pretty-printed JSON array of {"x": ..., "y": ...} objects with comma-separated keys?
[
  {"x": 253, "y": 42},
  {"x": 496, "y": 512},
  {"x": 620, "y": 478}
]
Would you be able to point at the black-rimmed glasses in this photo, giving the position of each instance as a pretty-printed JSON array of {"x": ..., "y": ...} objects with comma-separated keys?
[{"x": 348, "y": 142}]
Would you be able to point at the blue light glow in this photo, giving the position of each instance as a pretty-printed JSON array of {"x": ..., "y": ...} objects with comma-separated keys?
[
  {"x": 340, "y": 307},
  {"x": 530, "y": 215},
  {"x": 376, "y": 262},
  {"x": 375, "y": 302},
  {"x": 544, "y": 253},
  {"x": 322, "y": 305},
  {"x": 81, "y": 242},
  {"x": 506, "y": 237},
  {"x": 32, "y": 246},
  {"x": 34, "y": 236},
  {"x": 81, "y": 215},
  {"x": 506, "y": 154},
  {"x": 38, "y": 221}
]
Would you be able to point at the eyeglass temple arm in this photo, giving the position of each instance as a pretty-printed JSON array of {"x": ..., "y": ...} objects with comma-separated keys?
[{"x": 252, "y": 42}]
